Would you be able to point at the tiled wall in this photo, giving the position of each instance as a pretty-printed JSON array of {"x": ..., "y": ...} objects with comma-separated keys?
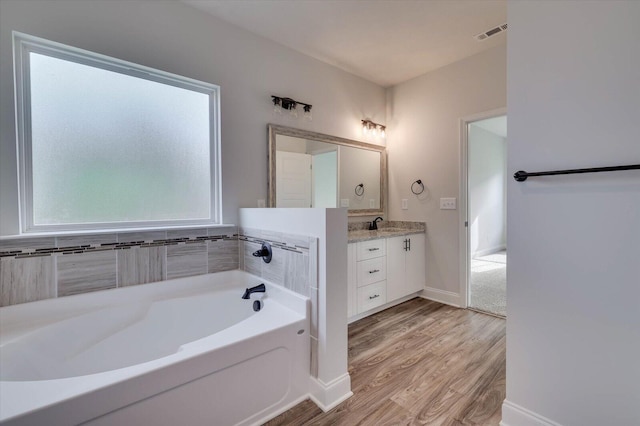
[
  {"x": 294, "y": 264},
  {"x": 40, "y": 268}
]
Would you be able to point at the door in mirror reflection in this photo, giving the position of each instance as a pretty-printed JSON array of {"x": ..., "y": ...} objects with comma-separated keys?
[
  {"x": 307, "y": 180},
  {"x": 293, "y": 171}
]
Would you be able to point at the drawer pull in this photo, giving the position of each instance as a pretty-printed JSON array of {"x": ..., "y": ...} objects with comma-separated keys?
[
  {"x": 374, "y": 249},
  {"x": 374, "y": 296},
  {"x": 374, "y": 271}
]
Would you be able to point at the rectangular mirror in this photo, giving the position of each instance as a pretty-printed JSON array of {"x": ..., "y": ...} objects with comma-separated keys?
[{"x": 308, "y": 169}]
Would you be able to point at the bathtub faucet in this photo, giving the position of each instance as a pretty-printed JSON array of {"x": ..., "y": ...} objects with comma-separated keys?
[{"x": 257, "y": 289}]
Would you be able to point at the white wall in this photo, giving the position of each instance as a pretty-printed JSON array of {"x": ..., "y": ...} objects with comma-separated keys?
[
  {"x": 573, "y": 329},
  {"x": 487, "y": 191},
  {"x": 174, "y": 37},
  {"x": 424, "y": 142},
  {"x": 325, "y": 179}
]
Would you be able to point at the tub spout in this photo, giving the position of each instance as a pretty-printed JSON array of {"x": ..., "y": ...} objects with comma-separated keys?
[{"x": 257, "y": 289}]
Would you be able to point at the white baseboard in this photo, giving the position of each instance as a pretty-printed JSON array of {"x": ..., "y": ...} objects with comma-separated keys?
[
  {"x": 442, "y": 296},
  {"x": 515, "y": 415},
  {"x": 328, "y": 395}
]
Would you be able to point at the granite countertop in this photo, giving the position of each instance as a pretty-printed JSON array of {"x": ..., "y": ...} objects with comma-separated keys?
[{"x": 360, "y": 231}]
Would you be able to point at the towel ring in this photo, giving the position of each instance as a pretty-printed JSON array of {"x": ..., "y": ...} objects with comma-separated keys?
[
  {"x": 359, "y": 189},
  {"x": 420, "y": 188}
]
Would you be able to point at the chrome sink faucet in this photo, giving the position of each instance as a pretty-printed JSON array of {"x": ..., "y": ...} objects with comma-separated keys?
[{"x": 374, "y": 225}]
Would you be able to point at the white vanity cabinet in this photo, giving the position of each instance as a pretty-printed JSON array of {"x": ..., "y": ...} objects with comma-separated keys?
[
  {"x": 383, "y": 270},
  {"x": 405, "y": 265}
]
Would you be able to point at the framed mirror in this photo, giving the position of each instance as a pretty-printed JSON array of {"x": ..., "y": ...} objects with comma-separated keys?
[{"x": 309, "y": 169}]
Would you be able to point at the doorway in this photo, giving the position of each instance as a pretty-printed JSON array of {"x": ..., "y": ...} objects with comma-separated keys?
[{"x": 486, "y": 182}]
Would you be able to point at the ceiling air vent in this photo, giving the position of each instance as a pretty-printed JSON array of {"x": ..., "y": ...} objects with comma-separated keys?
[{"x": 493, "y": 31}]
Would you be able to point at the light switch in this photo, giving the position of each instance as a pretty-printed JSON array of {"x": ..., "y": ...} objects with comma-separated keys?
[
  {"x": 447, "y": 203},
  {"x": 344, "y": 202},
  {"x": 405, "y": 204},
  {"x": 261, "y": 204},
  {"x": 372, "y": 203}
]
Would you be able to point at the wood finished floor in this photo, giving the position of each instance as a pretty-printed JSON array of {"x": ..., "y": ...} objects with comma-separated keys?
[{"x": 419, "y": 363}]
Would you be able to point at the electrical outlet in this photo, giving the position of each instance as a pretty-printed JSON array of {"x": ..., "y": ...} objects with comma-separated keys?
[
  {"x": 405, "y": 204},
  {"x": 447, "y": 203},
  {"x": 344, "y": 202},
  {"x": 372, "y": 203},
  {"x": 261, "y": 204}
]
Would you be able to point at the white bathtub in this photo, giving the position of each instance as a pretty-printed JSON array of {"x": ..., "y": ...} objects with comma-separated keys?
[{"x": 188, "y": 351}]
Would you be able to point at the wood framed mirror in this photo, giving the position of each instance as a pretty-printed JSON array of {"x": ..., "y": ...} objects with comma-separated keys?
[{"x": 309, "y": 169}]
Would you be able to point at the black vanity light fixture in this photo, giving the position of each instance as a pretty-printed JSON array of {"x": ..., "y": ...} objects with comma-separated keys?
[
  {"x": 291, "y": 105},
  {"x": 373, "y": 129}
]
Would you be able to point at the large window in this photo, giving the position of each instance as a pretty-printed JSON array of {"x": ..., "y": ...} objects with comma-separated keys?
[{"x": 105, "y": 143}]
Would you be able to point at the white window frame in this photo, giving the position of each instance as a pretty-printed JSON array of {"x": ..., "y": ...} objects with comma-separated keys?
[{"x": 23, "y": 45}]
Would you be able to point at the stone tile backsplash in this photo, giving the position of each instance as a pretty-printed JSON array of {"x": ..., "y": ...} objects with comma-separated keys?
[{"x": 41, "y": 268}]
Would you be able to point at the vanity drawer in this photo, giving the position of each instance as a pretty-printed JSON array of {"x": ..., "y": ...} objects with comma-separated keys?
[
  {"x": 372, "y": 296},
  {"x": 371, "y": 271},
  {"x": 372, "y": 248}
]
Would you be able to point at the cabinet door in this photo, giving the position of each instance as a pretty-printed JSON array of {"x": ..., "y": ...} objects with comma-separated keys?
[
  {"x": 415, "y": 263},
  {"x": 352, "y": 300},
  {"x": 396, "y": 271}
]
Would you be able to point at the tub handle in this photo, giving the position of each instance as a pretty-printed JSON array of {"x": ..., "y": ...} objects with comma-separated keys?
[{"x": 265, "y": 252}]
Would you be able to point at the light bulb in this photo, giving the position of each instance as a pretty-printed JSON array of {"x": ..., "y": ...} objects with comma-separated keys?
[
  {"x": 365, "y": 129},
  {"x": 277, "y": 106},
  {"x": 383, "y": 133},
  {"x": 307, "y": 113}
]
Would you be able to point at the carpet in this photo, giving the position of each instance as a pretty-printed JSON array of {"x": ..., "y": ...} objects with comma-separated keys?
[{"x": 488, "y": 283}]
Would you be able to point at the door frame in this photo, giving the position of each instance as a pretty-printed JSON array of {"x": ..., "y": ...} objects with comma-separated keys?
[{"x": 463, "y": 211}]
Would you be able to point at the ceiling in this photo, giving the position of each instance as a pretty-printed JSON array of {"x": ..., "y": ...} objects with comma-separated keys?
[{"x": 383, "y": 41}]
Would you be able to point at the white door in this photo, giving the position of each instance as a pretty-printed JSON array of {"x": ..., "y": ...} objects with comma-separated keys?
[{"x": 293, "y": 179}]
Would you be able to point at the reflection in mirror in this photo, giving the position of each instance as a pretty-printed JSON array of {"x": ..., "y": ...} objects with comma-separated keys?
[{"x": 308, "y": 169}]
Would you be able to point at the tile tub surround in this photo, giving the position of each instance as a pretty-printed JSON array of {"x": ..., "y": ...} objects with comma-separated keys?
[
  {"x": 40, "y": 268},
  {"x": 294, "y": 263},
  {"x": 359, "y": 231}
]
